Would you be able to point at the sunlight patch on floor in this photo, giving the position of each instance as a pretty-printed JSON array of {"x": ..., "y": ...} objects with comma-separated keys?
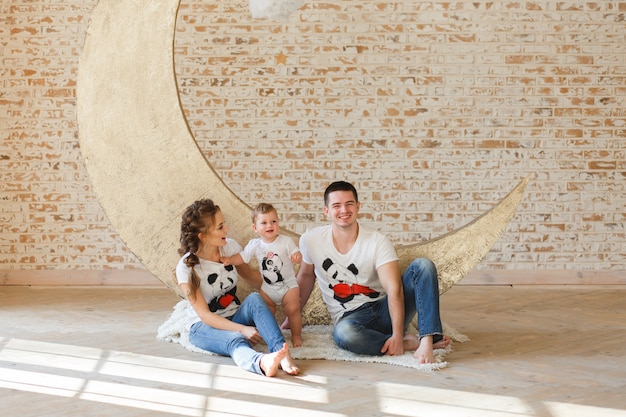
[
  {"x": 577, "y": 410},
  {"x": 54, "y": 355},
  {"x": 86, "y": 373},
  {"x": 416, "y": 401},
  {"x": 190, "y": 388},
  {"x": 40, "y": 383}
]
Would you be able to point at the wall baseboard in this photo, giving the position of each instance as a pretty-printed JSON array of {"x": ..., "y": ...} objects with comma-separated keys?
[{"x": 142, "y": 278}]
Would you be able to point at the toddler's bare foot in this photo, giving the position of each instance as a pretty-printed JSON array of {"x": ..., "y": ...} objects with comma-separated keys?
[
  {"x": 271, "y": 362},
  {"x": 296, "y": 341}
]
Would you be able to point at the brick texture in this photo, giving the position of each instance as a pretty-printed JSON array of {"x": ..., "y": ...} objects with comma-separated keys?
[{"x": 434, "y": 109}]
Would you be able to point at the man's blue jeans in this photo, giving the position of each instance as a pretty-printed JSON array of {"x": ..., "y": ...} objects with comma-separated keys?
[
  {"x": 365, "y": 329},
  {"x": 252, "y": 312}
]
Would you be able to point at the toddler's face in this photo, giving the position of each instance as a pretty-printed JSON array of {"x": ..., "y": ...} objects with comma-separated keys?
[{"x": 266, "y": 225}]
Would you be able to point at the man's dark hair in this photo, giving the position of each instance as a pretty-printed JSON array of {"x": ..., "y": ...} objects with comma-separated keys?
[{"x": 340, "y": 186}]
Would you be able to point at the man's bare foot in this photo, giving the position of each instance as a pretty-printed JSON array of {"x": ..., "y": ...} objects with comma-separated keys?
[
  {"x": 443, "y": 343},
  {"x": 423, "y": 349},
  {"x": 271, "y": 362},
  {"x": 411, "y": 342},
  {"x": 296, "y": 341},
  {"x": 424, "y": 352}
]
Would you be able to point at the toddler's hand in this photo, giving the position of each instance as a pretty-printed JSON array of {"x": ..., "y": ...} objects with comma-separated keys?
[
  {"x": 296, "y": 258},
  {"x": 225, "y": 260}
]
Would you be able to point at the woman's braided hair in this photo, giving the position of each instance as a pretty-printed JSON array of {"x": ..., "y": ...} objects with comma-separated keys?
[{"x": 197, "y": 218}]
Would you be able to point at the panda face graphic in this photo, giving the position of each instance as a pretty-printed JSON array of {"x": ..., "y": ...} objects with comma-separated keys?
[
  {"x": 338, "y": 273},
  {"x": 224, "y": 299},
  {"x": 230, "y": 279},
  {"x": 271, "y": 267},
  {"x": 343, "y": 282}
]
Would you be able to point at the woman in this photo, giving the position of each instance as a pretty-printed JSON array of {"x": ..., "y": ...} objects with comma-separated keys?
[{"x": 217, "y": 320}]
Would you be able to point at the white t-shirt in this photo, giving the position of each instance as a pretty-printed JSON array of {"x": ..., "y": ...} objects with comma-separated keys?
[
  {"x": 274, "y": 258},
  {"x": 347, "y": 280},
  {"x": 218, "y": 283}
]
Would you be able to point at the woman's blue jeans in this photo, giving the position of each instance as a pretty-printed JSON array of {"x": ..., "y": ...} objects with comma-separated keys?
[
  {"x": 252, "y": 312},
  {"x": 365, "y": 329}
]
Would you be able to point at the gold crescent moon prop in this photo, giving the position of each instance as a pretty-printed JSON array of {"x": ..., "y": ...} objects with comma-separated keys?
[{"x": 145, "y": 165}]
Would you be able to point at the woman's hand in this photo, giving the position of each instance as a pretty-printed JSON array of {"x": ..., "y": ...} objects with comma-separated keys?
[{"x": 252, "y": 334}]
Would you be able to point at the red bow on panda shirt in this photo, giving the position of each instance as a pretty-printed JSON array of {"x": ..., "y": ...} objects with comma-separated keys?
[{"x": 346, "y": 290}]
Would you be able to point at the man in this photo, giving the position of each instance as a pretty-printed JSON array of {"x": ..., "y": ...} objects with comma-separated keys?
[{"x": 357, "y": 270}]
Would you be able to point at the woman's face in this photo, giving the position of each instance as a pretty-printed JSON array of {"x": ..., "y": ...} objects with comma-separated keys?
[{"x": 216, "y": 231}]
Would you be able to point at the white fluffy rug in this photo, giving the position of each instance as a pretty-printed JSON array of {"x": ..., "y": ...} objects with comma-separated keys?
[{"x": 318, "y": 344}]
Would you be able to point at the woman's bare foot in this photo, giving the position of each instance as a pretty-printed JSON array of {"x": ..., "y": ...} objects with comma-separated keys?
[
  {"x": 271, "y": 362},
  {"x": 296, "y": 341},
  {"x": 288, "y": 365}
]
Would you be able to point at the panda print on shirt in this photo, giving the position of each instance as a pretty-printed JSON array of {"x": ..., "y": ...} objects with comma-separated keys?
[
  {"x": 226, "y": 303},
  {"x": 270, "y": 268},
  {"x": 343, "y": 282}
]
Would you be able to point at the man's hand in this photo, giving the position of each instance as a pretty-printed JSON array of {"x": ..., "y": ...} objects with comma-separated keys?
[{"x": 393, "y": 346}]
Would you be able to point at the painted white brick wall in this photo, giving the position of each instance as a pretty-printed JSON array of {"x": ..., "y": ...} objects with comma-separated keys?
[{"x": 434, "y": 109}]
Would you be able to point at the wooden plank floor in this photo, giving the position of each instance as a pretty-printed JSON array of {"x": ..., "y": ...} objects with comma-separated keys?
[{"x": 534, "y": 351}]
